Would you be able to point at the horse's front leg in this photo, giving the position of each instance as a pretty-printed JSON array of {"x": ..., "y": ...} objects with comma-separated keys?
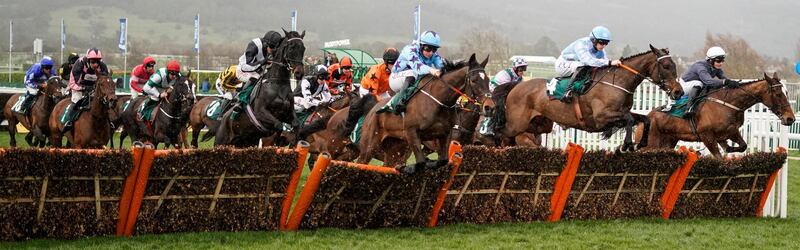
[
  {"x": 645, "y": 121},
  {"x": 736, "y": 138}
]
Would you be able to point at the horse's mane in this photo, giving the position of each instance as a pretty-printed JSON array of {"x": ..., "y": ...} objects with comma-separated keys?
[
  {"x": 752, "y": 81},
  {"x": 450, "y": 66},
  {"x": 636, "y": 55}
]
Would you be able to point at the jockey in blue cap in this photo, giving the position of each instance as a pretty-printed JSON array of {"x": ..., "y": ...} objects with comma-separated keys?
[
  {"x": 37, "y": 74},
  {"x": 416, "y": 60},
  {"x": 583, "y": 54}
]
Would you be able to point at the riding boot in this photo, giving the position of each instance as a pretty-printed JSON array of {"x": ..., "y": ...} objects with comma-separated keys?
[
  {"x": 25, "y": 108},
  {"x": 68, "y": 115},
  {"x": 353, "y": 114},
  {"x": 690, "y": 109},
  {"x": 243, "y": 97},
  {"x": 398, "y": 103},
  {"x": 144, "y": 113},
  {"x": 568, "y": 93}
]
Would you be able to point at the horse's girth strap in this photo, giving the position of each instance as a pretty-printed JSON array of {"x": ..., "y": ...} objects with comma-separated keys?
[
  {"x": 576, "y": 105},
  {"x": 724, "y": 103}
]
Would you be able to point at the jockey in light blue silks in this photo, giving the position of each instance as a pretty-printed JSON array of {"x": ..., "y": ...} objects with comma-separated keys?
[
  {"x": 416, "y": 60},
  {"x": 37, "y": 74},
  {"x": 581, "y": 55}
]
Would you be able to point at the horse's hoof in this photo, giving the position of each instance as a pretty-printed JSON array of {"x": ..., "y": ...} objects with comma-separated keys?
[{"x": 407, "y": 169}]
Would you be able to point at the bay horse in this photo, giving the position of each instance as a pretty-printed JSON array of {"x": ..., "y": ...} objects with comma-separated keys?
[
  {"x": 52, "y": 91},
  {"x": 271, "y": 101},
  {"x": 199, "y": 120},
  {"x": 719, "y": 117},
  {"x": 169, "y": 117},
  {"x": 605, "y": 107},
  {"x": 430, "y": 114},
  {"x": 117, "y": 123},
  {"x": 91, "y": 128}
]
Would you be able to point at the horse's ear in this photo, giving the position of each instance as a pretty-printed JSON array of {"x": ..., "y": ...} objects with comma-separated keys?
[
  {"x": 110, "y": 72},
  {"x": 485, "y": 61},
  {"x": 472, "y": 61},
  {"x": 666, "y": 50},
  {"x": 775, "y": 76},
  {"x": 189, "y": 75},
  {"x": 302, "y": 35},
  {"x": 285, "y": 33},
  {"x": 654, "y": 50}
]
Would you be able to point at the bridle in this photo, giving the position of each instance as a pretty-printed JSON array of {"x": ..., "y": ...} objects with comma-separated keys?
[{"x": 661, "y": 82}]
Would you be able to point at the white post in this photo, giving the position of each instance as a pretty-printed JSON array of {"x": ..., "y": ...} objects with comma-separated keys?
[
  {"x": 125, "y": 58},
  {"x": 10, "y": 45}
]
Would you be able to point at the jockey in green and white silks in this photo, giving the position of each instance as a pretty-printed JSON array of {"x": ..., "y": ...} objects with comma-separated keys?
[{"x": 156, "y": 86}]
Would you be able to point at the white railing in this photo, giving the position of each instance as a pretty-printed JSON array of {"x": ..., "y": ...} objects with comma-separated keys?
[{"x": 761, "y": 130}]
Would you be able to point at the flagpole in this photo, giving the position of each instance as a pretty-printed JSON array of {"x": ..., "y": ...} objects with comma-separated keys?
[
  {"x": 197, "y": 33},
  {"x": 61, "y": 61},
  {"x": 125, "y": 56},
  {"x": 10, "y": 45}
]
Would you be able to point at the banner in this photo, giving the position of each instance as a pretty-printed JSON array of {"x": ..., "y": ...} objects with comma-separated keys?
[
  {"x": 417, "y": 14},
  {"x": 197, "y": 33},
  {"x": 123, "y": 35},
  {"x": 63, "y": 35},
  {"x": 294, "y": 20}
]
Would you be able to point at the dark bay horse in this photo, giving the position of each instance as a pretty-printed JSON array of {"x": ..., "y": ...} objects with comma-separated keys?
[
  {"x": 170, "y": 116},
  {"x": 719, "y": 117},
  {"x": 272, "y": 104},
  {"x": 605, "y": 107},
  {"x": 123, "y": 103},
  {"x": 431, "y": 114},
  {"x": 36, "y": 122},
  {"x": 91, "y": 128}
]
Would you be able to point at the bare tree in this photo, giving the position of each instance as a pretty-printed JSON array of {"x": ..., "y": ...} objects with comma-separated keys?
[
  {"x": 741, "y": 61},
  {"x": 546, "y": 47},
  {"x": 484, "y": 42}
]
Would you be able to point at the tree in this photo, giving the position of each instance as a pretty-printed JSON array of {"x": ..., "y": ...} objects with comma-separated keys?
[
  {"x": 741, "y": 61},
  {"x": 628, "y": 51},
  {"x": 546, "y": 47},
  {"x": 484, "y": 42}
]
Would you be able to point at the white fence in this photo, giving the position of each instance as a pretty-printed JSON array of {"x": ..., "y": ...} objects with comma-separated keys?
[{"x": 761, "y": 130}]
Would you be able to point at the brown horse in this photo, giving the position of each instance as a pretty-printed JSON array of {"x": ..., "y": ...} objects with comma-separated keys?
[
  {"x": 272, "y": 105},
  {"x": 719, "y": 117},
  {"x": 123, "y": 103},
  {"x": 430, "y": 114},
  {"x": 199, "y": 120},
  {"x": 37, "y": 121},
  {"x": 91, "y": 128},
  {"x": 169, "y": 117},
  {"x": 605, "y": 107}
]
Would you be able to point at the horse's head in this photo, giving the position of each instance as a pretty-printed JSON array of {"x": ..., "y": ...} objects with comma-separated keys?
[
  {"x": 291, "y": 51},
  {"x": 664, "y": 73},
  {"x": 106, "y": 92},
  {"x": 478, "y": 83},
  {"x": 54, "y": 88},
  {"x": 182, "y": 93},
  {"x": 774, "y": 97}
]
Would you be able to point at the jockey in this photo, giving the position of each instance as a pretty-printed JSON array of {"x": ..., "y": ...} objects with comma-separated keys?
[
  {"x": 257, "y": 58},
  {"x": 502, "y": 83},
  {"x": 312, "y": 91},
  {"x": 37, "y": 74},
  {"x": 705, "y": 73},
  {"x": 416, "y": 60},
  {"x": 587, "y": 51},
  {"x": 66, "y": 67},
  {"x": 341, "y": 76},
  {"x": 84, "y": 74},
  {"x": 511, "y": 75},
  {"x": 227, "y": 84},
  {"x": 140, "y": 74},
  {"x": 375, "y": 82},
  {"x": 155, "y": 87}
]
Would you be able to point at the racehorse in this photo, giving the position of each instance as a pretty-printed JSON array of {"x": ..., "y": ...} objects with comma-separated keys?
[
  {"x": 719, "y": 117},
  {"x": 199, "y": 120},
  {"x": 605, "y": 107},
  {"x": 37, "y": 121},
  {"x": 169, "y": 117},
  {"x": 123, "y": 102},
  {"x": 90, "y": 129},
  {"x": 271, "y": 102},
  {"x": 430, "y": 114}
]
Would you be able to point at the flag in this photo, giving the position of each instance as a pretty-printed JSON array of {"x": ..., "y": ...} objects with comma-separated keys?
[
  {"x": 197, "y": 33},
  {"x": 417, "y": 15},
  {"x": 10, "y": 35},
  {"x": 63, "y": 35},
  {"x": 123, "y": 34},
  {"x": 294, "y": 20}
]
